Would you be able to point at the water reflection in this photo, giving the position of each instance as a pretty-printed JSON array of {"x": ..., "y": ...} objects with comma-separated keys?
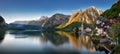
[
  {"x": 79, "y": 41},
  {"x": 55, "y": 38},
  {"x": 37, "y": 41},
  {"x": 2, "y": 34},
  {"x": 104, "y": 43}
]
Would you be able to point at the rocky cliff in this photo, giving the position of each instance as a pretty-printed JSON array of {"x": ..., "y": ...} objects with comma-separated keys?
[
  {"x": 2, "y": 21},
  {"x": 45, "y": 21},
  {"x": 88, "y": 16},
  {"x": 56, "y": 20},
  {"x": 38, "y": 22}
]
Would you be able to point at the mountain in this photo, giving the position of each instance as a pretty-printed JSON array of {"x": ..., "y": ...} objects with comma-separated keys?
[
  {"x": 38, "y": 22},
  {"x": 56, "y": 20},
  {"x": 45, "y": 21},
  {"x": 20, "y": 22},
  {"x": 23, "y": 27},
  {"x": 2, "y": 21},
  {"x": 88, "y": 16},
  {"x": 114, "y": 11}
]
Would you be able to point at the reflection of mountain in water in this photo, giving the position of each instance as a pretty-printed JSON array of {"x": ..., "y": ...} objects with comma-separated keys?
[
  {"x": 49, "y": 36},
  {"x": 79, "y": 41},
  {"x": 26, "y": 32},
  {"x": 2, "y": 34},
  {"x": 60, "y": 38},
  {"x": 55, "y": 38}
]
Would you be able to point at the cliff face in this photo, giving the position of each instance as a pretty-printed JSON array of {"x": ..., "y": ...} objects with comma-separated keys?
[
  {"x": 88, "y": 16},
  {"x": 55, "y": 20},
  {"x": 38, "y": 22},
  {"x": 45, "y": 21},
  {"x": 2, "y": 21}
]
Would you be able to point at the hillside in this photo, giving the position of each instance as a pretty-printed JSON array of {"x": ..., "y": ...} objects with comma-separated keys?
[
  {"x": 45, "y": 21},
  {"x": 2, "y": 21},
  {"x": 88, "y": 16},
  {"x": 38, "y": 22},
  {"x": 114, "y": 11},
  {"x": 56, "y": 20}
]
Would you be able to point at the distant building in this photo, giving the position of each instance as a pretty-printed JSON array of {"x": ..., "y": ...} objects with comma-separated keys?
[
  {"x": 104, "y": 38},
  {"x": 98, "y": 21},
  {"x": 112, "y": 20},
  {"x": 99, "y": 31},
  {"x": 88, "y": 29}
]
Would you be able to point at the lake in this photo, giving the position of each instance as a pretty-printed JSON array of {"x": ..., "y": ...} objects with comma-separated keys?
[{"x": 58, "y": 42}]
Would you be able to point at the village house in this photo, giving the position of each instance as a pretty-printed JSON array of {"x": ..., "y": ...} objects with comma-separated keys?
[
  {"x": 112, "y": 20},
  {"x": 100, "y": 24}
]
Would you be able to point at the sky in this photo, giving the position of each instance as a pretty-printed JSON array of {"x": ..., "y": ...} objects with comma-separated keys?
[{"x": 17, "y": 10}]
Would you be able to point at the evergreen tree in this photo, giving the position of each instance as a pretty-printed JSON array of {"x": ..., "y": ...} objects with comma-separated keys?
[{"x": 113, "y": 11}]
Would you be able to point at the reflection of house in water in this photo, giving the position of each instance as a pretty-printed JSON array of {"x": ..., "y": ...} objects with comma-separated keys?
[
  {"x": 79, "y": 41},
  {"x": 105, "y": 44},
  {"x": 112, "y": 20},
  {"x": 104, "y": 38}
]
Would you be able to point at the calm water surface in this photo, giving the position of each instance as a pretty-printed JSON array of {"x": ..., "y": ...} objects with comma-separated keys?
[{"x": 37, "y": 42}]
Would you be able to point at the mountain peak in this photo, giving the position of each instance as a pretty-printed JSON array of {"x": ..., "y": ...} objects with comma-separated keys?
[
  {"x": 79, "y": 10},
  {"x": 43, "y": 18},
  {"x": 94, "y": 10},
  {"x": 1, "y": 18},
  {"x": 88, "y": 16},
  {"x": 58, "y": 14},
  {"x": 2, "y": 21},
  {"x": 56, "y": 19},
  {"x": 93, "y": 7}
]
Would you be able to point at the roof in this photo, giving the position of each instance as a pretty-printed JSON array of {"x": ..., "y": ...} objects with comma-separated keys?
[{"x": 101, "y": 18}]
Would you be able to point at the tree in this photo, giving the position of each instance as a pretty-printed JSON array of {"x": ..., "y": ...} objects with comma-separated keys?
[
  {"x": 113, "y": 11},
  {"x": 115, "y": 31}
]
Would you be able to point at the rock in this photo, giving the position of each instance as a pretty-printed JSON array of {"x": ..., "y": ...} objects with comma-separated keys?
[
  {"x": 38, "y": 22},
  {"x": 45, "y": 21},
  {"x": 55, "y": 20},
  {"x": 88, "y": 16},
  {"x": 2, "y": 21}
]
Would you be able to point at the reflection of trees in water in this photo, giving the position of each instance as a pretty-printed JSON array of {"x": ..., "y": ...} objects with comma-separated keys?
[
  {"x": 42, "y": 36},
  {"x": 55, "y": 38},
  {"x": 77, "y": 41},
  {"x": 104, "y": 44},
  {"x": 80, "y": 41},
  {"x": 26, "y": 32},
  {"x": 2, "y": 34},
  {"x": 88, "y": 43}
]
